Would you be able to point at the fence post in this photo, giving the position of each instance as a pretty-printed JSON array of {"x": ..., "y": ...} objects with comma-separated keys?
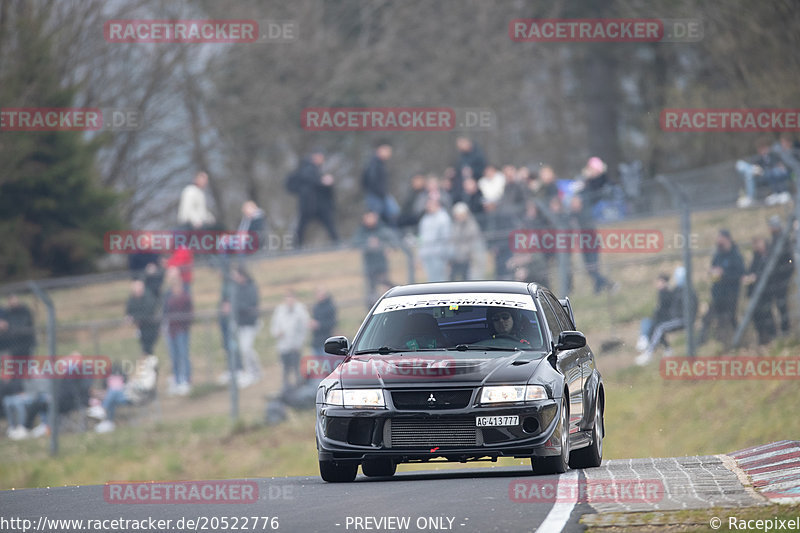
[
  {"x": 51, "y": 348},
  {"x": 233, "y": 344},
  {"x": 682, "y": 204}
]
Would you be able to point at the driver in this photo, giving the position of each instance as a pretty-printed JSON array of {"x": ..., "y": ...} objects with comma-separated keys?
[{"x": 505, "y": 323}]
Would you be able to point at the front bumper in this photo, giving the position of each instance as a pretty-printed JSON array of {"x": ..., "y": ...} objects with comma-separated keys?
[{"x": 345, "y": 434}]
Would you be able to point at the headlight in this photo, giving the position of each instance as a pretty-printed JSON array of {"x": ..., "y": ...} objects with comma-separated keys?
[
  {"x": 535, "y": 392},
  {"x": 513, "y": 393},
  {"x": 355, "y": 398}
]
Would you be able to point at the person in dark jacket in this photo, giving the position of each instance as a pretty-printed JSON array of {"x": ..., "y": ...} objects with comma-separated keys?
[
  {"x": 763, "y": 320},
  {"x": 470, "y": 156},
  {"x": 20, "y": 336},
  {"x": 581, "y": 220},
  {"x": 247, "y": 323},
  {"x": 375, "y": 180},
  {"x": 254, "y": 223},
  {"x": 314, "y": 196},
  {"x": 374, "y": 238},
  {"x": 727, "y": 269},
  {"x": 323, "y": 319},
  {"x": 141, "y": 310},
  {"x": 669, "y": 315},
  {"x": 414, "y": 204},
  {"x": 777, "y": 289},
  {"x": 17, "y": 336}
]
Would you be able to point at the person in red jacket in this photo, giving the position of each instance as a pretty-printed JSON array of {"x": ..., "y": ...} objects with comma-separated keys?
[{"x": 183, "y": 259}]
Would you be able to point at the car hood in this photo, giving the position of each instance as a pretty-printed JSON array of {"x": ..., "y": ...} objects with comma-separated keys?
[{"x": 440, "y": 368}]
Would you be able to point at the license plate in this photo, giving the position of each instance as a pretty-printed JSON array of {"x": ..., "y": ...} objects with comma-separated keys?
[{"x": 496, "y": 421}]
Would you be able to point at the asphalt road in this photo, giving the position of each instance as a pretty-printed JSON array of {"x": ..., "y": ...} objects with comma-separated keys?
[{"x": 470, "y": 500}]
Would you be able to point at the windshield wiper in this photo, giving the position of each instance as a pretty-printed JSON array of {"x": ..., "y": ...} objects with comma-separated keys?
[
  {"x": 484, "y": 348},
  {"x": 385, "y": 350}
]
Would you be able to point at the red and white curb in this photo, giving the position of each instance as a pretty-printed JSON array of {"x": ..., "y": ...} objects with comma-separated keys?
[{"x": 774, "y": 469}]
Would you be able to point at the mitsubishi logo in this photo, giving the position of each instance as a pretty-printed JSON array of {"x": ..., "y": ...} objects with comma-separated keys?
[{"x": 431, "y": 398}]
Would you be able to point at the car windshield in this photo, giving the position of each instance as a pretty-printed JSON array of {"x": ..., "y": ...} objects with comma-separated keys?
[{"x": 451, "y": 327}]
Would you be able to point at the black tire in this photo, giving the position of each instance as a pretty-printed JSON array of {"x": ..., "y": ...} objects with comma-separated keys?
[
  {"x": 334, "y": 472},
  {"x": 556, "y": 464},
  {"x": 378, "y": 467},
  {"x": 592, "y": 455}
]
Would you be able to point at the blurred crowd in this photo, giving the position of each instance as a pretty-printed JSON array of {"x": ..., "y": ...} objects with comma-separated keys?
[{"x": 728, "y": 274}]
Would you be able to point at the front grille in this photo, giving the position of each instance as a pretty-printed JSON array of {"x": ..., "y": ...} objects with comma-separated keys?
[
  {"x": 432, "y": 399},
  {"x": 432, "y": 432}
]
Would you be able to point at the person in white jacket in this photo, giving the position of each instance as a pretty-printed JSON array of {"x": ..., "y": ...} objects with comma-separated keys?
[
  {"x": 434, "y": 241},
  {"x": 192, "y": 210},
  {"x": 290, "y": 325}
]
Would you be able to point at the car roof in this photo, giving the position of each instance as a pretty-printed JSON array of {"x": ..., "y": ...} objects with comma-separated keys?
[{"x": 512, "y": 287}]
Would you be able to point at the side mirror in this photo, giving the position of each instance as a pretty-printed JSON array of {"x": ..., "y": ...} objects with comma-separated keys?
[
  {"x": 337, "y": 345},
  {"x": 570, "y": 340}
]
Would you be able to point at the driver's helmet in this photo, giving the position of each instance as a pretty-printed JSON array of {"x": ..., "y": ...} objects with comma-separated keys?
[{"x": 494, "y": 312}]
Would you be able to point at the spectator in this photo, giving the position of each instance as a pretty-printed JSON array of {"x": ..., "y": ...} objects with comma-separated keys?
[
  {"x": 777, "y": 289},
  {"x": 314, "y": 195},
  {"x": 323, "y": 320},
  {"x": 434, "y": 241},
  {"x": 767, "y": 168},
  {"x": 472, "y": 196},
  {"x": 763, "y": 320},
  {"x": 581, "y": 220},
  {"x": 71, "y": 394},
  {"x": 16, "y": 406},
  {"x": 788, "y": 151},
  {"x": 545, "y": 188},
  {"x": 492, "y": 184},
  {"x": 247, "y": 321},
  {"x": 192, "y": 211},
  {"x": 230, "y": 347},
  {"x": 289, "y": 326},
  {"x": 182, "y": 261},
  {"x": 500, "y": 222},
  {"x": 593, "y": 181},
  {"x": 470, "y": 156},
  {"x": 254, "y": 222},
  {"x": 559, "y": 220},
  {"x": 375, "y": 180},
  {"x": 674, "y": 319},
  {"x": 727, "y": 268},
  {"x": 414, "y": 204},
  {"x": 466, "y": 242},
  {"x": 20, "y": 337},
  {"x": 515, "y": 190},
  {"x": 179, "y": 315},
  {"x": 661, "y": 314},
  {"x": 373, "y": 237},
  {"x": 136, "y": 390},
  {"x": 532, "y": 265},
  {"x": 141, "y": 310},
  {"x": 138, "y": 262},
  {"x": 154, "y": 277},
  {"x": 434, "y": 189}
]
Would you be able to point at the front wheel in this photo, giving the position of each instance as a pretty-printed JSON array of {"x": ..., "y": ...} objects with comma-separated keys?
[
  {"x": 556, "y": 464},
  {"x": 592, "y": 455},
  {"x": 334, "y": 472}
]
